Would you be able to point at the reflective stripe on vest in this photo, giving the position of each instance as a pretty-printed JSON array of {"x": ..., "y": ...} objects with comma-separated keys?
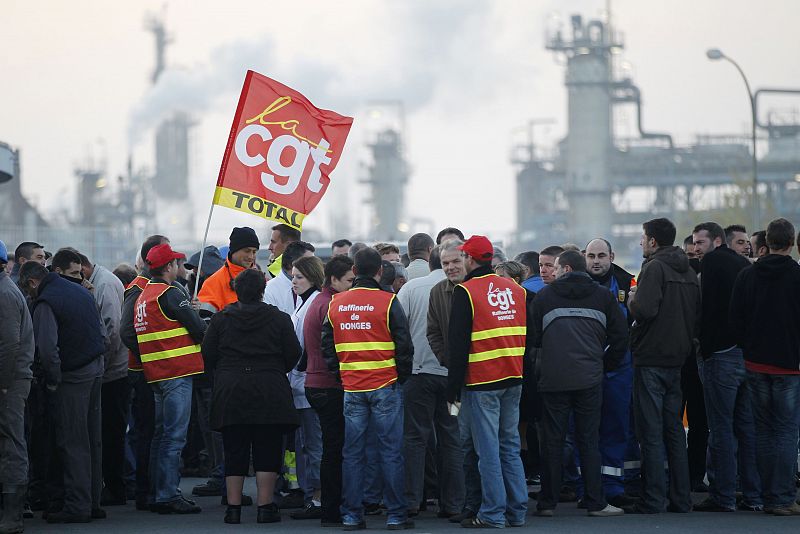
[
  {"x": 166, "y": 349},
  {"x": 134, "y": 364},
  {"x": 363, "y": 341},
  {"x": 498, "y": 329}
]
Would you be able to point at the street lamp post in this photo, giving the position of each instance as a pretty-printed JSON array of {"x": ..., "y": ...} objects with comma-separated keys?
[{"x": 715, "y": 54}]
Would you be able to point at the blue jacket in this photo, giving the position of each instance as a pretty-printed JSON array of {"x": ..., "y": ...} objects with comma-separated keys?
[{"x": 80, "y": 335}]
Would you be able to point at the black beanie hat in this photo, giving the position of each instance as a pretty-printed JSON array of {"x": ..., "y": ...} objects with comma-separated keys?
[{"x": 241, "y": 238}]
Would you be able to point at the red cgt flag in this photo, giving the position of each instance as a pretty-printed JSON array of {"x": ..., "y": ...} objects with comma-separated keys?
[{"x": 280, "y": 152}]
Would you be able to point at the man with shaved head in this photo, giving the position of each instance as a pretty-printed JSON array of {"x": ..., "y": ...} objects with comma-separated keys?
[{"x": 615, "y": 428}]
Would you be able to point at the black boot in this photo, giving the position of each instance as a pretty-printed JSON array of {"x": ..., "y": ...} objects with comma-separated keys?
[
  {"x": 233, "y": 514},
  {"x": 13, "y": 501},
  {"x": 269, "y": 513}
]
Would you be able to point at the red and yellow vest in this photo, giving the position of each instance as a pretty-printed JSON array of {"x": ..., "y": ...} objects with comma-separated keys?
[
  {"x": 364, "y": 344},
  {"x": 134, "y": 364},
  {"x": 498, "y": 329},
  {"x": 166, "y": 349}
]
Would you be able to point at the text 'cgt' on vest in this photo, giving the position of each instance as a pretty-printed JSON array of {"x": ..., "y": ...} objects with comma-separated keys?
[
  {"x": 134, "y": 364},
  {"x": 499, "y": 319},
  {"x": 165, "y": 346},
  {"x": 364, "y": 344}
]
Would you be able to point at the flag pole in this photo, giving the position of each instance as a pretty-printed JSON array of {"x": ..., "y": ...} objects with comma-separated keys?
[{"x": 202, "y": 249}]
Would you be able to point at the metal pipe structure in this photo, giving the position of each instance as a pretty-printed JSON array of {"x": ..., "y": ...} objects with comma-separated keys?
[{"x": 715, "y": 54}]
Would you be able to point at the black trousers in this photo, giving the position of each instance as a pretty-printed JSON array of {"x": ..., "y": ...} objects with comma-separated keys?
[
  {"x": 76, "y": 410},
  {"x": 426, "y": 417},
  {"x": 265, "y": 442},
  {"x": 695, "y": 406},
  {"x": 115, "y": 403},
  {"x": 329, "y": 405},
  {"x": 143, "y": 420},
  {"x": 556, "y": 407},
  {"x": 38, "y": 430}
]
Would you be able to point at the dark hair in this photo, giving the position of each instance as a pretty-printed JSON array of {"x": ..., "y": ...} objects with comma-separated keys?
[
  {"x": 64, "y": 258},
  {"x": 355, "y": 248},
  {"x": 574, "y": 259},
  {"x": 125, "y": 273},
  {"x": 552, "y": 250},
  {"x": 84, "y": 259},
  {"x": 341, "y": 243},
  {"x": 25, "y": 250},
  {"x": 729, "y": 230},
  {"x": 367, "y": 262},
  {"x": 249, "y": 286},
  {"x": 287, "y": 233},
  {"x": 31, "y": 270},
  {"x": 662, "y": 230},
  {"x": 714, "y": 230},
  {"x": 151, "y": 242},
  {"x": 761, "y": 240},
  {"x": 294, "y": 250},
  {"x": 435, "y": 261},
  {"x": 419, "y": 244},
  {"x": 529, "y": 259},
  {"x": 337, "y": 267},
  {"x": 449, "y": 230},
  {"x": 311, "y": 268},
  {"x": 688, "y": 241},
  {"x": 388, "y": 274},
  {"x": 780, "y": 234}
]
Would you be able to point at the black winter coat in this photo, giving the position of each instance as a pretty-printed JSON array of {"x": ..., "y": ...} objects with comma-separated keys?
[
  {"x": 719, "y": 269},
  {"x": 666, "y": 310},
  {"x": 765, "y": 312},
  {"x": 250, "y": 348},
  {"x": 581, "y": 330}
]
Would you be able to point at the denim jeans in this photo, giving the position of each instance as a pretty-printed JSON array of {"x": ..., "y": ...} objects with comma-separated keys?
[
  {"x": 659, "y": 424},
  {"x": 585, "y": 404},
  {"x": 472, "y": 477},
  {"x": 425, "y": 416},
  {"x": 776, "y": 406},
  {"x": 494, "y": 421},
  {"x": 173, "y": 407},
  {"x": 730, "y": 419},
  {"x": 308, "y": 441},
  {"x": 381, "y": 412}
]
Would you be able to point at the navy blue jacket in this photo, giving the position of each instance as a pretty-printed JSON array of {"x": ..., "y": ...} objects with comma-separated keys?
[{"x": 80, "y": 338}]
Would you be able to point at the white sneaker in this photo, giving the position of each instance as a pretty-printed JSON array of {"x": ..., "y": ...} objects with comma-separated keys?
[{"x": 608, "y": 511}]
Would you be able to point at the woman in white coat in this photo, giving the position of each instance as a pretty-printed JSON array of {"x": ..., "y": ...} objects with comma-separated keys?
[{"x": 307, "y": 279}]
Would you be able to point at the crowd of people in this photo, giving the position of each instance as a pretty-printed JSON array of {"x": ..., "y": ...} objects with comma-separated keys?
[{"x": 381, "y": 383}]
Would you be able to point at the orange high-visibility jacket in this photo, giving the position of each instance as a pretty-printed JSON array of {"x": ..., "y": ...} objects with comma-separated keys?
[
  {"x": 498, "y": 334},
  {"x": 364, "y": 344}
]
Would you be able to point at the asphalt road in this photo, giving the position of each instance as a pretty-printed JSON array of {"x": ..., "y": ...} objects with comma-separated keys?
[{"x": 568, "y": 519}]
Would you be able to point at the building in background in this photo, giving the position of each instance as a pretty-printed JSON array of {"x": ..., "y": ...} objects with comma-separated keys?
[{"x": 595, "y": 183}]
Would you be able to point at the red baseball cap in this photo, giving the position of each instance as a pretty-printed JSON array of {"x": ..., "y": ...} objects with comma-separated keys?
[
  {"x": 478, "y": 247},
  {"x": 161, "y": 255}
]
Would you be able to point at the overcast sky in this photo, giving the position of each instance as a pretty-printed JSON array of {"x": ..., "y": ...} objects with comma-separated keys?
[{"x": 76, "y": 83}]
